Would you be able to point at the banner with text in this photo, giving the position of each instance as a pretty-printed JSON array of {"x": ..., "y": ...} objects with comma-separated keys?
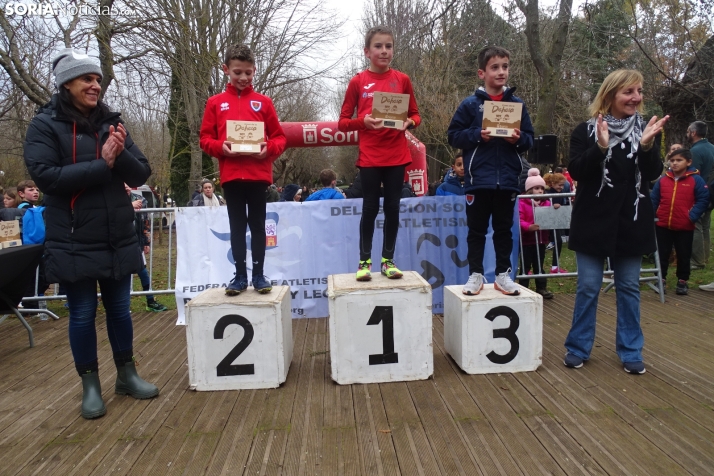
[{"x": 308, "y": 241}]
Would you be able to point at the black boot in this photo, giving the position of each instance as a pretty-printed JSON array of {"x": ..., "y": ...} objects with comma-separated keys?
[
  {"x": 92, "y": 403},
  {"x": 129, "y": 382}
]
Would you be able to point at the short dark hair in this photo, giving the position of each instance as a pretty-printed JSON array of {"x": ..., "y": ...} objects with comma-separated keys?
[
  {"x": 25, "y": 184},
  {"x": 377, "y": 30},
  {"x": 327, "y": 176},
  {"x": 457, "y": 156},
  {"x": 485, "y": 55},
  {"x": 686, "y": 153},
  {"x": 699, "y": 128},
  {"x": 240, "y": 53}
]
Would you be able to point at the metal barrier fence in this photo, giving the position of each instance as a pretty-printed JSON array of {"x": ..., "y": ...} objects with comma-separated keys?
[
  {"x": 549, "y": 224},
  {"x": 162, "y": 214},
  {"x": 556, "y": 223}
]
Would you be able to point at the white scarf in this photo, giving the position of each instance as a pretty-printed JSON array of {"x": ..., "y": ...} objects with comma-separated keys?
[{"x": 211, "y": 202}]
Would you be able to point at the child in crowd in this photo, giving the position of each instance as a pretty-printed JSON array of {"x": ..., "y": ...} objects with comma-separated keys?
[
  {"x": 492, "y": 167},
  {"x": 244, "y": 178},
  {"x": 533, "y": 239},
  {"x": 383, "y": 152},
  {"x": 556, "y": 184},
  {"x": 11, "y": 199},
  {"x": 679, "y": 198},
  {"x": 328, "y": 179},
  {"x": 29, "y": 194},
  {"x": 672, "y": 148},
  {"x": 454, "y": 179}
]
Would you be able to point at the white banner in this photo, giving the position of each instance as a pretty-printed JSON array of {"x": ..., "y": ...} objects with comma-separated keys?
[{"x": 308, "y": 241}]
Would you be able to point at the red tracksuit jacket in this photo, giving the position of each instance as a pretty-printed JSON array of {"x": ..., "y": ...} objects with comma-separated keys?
[
  {"x": 246, "y": 105},
  {"x": 381, "y": 147}
]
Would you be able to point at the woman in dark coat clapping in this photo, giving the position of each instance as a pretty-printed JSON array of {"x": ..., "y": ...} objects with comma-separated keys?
[
  {"x": 613, "y": 157},
  {"x": 80, "y": 155}
]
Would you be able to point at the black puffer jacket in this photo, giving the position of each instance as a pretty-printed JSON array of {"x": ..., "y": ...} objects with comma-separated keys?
[
  {"x": 605, "y": 225},
  {"x": 89, "y": 219}
]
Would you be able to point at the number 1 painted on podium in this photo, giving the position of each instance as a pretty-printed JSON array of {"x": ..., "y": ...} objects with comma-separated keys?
[{"x": 385, "y": 315}]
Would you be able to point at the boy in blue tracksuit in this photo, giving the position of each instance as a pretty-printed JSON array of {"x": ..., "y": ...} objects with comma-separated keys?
[
  {"x": 328, "y": 179},
  {"x": 453, "y": 179},
  {"x": 492, "y": 167}
]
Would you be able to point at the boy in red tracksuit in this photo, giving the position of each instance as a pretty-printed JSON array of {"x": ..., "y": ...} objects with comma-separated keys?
[
  {"x": 244, "y": 178},
  {"x": 680, "y": 197}
]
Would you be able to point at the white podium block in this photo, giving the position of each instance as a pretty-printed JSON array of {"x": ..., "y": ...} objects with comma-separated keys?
[
  {"x": 492, "y": 332},
  {"x": 239, "y": 342},
  {"x": 380, "y": 330}
]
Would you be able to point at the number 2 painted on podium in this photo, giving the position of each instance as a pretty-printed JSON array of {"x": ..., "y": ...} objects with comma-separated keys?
[
  {"x": 226, "y": 368},
  {"x": 385, "y": 315},
  {"x": 508, "y": 333}
]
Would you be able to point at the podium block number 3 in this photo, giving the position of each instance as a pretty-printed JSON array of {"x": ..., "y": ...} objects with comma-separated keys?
[
  {"x": 508, "y": 333},
  {"x": 385, "y": 315},
  {"x": 226, "y": 367}
]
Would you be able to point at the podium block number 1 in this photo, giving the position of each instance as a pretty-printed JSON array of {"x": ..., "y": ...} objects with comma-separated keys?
[
  {"x": 385, "y": 315},
  {"x": 225, "y": 367}
]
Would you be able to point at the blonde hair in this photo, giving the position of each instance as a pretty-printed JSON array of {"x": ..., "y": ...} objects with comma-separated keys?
[{"x": 613, "y": 83}]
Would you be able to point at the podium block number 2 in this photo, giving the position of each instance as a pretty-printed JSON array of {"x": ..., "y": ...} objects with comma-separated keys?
[
  {"x": 508, "y": 333},
  {"x": 385, "y": 315},
  {"x": 226, "y": 367}
]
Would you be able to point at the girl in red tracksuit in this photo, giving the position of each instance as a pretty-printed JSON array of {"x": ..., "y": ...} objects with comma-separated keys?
[
  {"x": 383, "y": 153},
  {"x": 679, "y": 198},
  {"x": 244, "y": 178}
]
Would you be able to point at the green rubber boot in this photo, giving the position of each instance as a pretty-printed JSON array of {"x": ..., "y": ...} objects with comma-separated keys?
[
  {"x": 92, "y": 403},
  {"x": 129, "y": 383}
]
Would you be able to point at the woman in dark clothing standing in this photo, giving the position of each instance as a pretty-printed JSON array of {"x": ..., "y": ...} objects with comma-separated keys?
[
  {"x": 79, "y": 154},
  {"x": 613, "y": 157}
]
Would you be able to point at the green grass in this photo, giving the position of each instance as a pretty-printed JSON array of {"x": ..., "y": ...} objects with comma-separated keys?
[{"x": 568, "y": 285}]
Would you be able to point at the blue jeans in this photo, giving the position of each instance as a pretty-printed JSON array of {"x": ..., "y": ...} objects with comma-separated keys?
[
  {"x": 82, "y": 300},
  {"x": 145, "y": 283},
  {"x": 629, "y": 337}
]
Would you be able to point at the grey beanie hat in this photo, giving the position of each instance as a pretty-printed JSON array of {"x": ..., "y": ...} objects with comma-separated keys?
[{"x": 69, "y": 64}]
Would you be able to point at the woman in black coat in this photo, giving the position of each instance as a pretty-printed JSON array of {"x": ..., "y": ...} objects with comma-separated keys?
[
  {"x": 613, "y": 157},
  {"x": 80, "y": 155}
]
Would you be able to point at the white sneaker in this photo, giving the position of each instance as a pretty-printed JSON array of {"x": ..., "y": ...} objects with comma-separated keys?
[
  {"x": 505, "y": 284},
  {"x": 474, "y": 285},
  {"x": 707, "y": 287}
]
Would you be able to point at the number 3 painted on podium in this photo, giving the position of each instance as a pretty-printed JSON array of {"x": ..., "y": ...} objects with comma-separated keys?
[
  {"x": 225, "y": 367},
  {"x": 508, "y": 333}
]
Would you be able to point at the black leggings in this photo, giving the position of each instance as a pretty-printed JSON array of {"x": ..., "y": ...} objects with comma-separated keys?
[
  {"x": 495, "y": 206},
  {"x": 533, "y": 257},
  {"x": 239, "y": 195},
  {"x": 393, "y": 179},
  {"x": 682, "y": 241}
]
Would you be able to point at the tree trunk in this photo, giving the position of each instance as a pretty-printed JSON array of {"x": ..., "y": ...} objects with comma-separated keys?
[
  {"x": 104, "y": 41},
  {"x": 194, "y": 178},
  {"x": 549, "y": 67}
]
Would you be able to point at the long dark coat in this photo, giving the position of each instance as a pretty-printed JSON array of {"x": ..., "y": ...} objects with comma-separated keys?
[
  {"x": 89, "y": 218},
  {"x": 604, "y": 225}
]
